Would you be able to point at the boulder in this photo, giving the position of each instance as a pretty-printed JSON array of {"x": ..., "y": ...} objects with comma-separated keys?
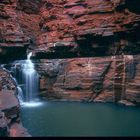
[{"x": 9, "y": 104}]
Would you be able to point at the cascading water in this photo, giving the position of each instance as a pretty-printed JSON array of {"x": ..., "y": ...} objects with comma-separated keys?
[
  {"x": 27, "y": 82},
  {"x": 30, "y": 80},
  {"x": 20, "y": 94}
]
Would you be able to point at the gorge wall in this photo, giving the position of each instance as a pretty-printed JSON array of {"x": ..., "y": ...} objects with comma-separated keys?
[
  {"x": 87, "y": 28},
  {"x": 73, "y": 29},
  {"x": 66, "y": 36},
  {"x": 68, "y": 28}
]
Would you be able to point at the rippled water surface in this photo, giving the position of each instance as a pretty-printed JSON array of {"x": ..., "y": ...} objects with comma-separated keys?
[{"x": 81, "y": 119}]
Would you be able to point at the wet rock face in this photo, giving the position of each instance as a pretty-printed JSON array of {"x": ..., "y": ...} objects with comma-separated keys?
[
  {"x": 108, "y": 79},
  {"x": 86, "y": 28},
  {"x": 3, "y": 125}
]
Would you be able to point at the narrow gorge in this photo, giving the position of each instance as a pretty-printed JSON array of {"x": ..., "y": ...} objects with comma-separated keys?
[{"x": 69, "y": 55}]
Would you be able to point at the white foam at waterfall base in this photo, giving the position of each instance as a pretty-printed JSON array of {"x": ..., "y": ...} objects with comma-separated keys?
[
  {"x": 31, "y": 104},
  {"x": 34, "y": 103}
]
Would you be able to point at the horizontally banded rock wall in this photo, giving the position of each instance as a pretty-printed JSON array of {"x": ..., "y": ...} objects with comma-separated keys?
[
  {"x": 10, "y": 124},
  {"x": 108, "y": 79},
  {"x": 69, "y": 28},
  {"x": 72, "y": 28}
]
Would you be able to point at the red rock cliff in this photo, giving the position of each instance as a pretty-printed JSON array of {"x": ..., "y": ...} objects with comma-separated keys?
[
  {"x": 69, "y": 28},
  {"x": 86, "y": 28}
]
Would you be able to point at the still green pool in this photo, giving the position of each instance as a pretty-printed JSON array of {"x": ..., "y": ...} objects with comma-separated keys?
[{"x": 81, "y": 119}]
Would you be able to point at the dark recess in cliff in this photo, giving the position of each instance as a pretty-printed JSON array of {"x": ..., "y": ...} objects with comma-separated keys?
[
  {"x": 29, "y": 6},
  {"x": 133, "y": 5}
]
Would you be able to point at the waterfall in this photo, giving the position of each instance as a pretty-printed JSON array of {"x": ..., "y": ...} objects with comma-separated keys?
[
  {"x": 28, "y": 88},
  {"x": 30, "y": 80},
  {"x": 20, "y": 94},
  {"x": 26, "y": 79}
]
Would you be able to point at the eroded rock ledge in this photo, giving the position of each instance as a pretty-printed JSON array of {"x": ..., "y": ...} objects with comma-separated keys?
[
  {"x": 79, "y": 28},
  {"x": 10, "y": 124}
]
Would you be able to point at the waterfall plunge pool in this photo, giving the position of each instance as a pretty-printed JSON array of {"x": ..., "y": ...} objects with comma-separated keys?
[
  {"x": 81, "y": 119},
  {"x": 69, "y": 118}
]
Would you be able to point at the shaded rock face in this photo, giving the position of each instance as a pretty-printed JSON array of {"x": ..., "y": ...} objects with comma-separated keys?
[
  {"x": 107, "y": 79},
  {"x": 68, "y": 28},
  {"x": 10, "y": 124},
  {"x": 29, "y": 6},
  {"x": 12, "y": 38},
  {"x": 133, "y": 5},
  {"x": 87, "y": 28},
  {"x": 3, "y": 125}
]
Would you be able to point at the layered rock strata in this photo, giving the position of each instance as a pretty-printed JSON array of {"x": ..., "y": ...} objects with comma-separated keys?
[
  {"x": 69, "y": 28},
  {"x": 74, "y": 28},
  {"x": 12, "y": 38},
  {"x": 108, "y": 79}
]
